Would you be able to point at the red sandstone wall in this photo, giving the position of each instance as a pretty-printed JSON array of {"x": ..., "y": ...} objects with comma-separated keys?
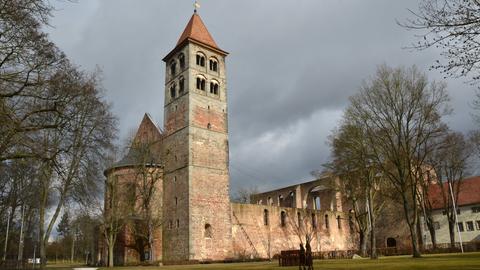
[{"x": 269, "y": 240}]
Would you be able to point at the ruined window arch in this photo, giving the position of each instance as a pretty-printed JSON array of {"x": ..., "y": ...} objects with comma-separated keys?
[
  {"x": 326, "y": 222},
  {"x": 270, "y": 201},
  {"x": 181, "y": 61},
  {"x": 291, "y": 198},
  {"x": 265, "y": 217},
  {"x": 260, "y": 202},
  {"x": 317, "y": 203},
  {"x": 208, "y": 231},
  {"x": 176, "y": 201},
  {"x": 201, "y": 83},
  {"x": 209, "y": 126},
  {"x": 339, "y": 222},
  {"x": 213, "y": 64},
  {"x": 200, "y": 57},
  {"x": 280, "y": 200},
  {"x": 178, "y": 223},
  {"x": 283, "y": 219}
]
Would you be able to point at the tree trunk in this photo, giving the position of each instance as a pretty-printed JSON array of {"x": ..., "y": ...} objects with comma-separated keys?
[
  {"x": 110, "y": 250},
  {"x": 451, "y": 230},
  {"x": 72, "y": 250},
  {"x": 363, "y": 243},
  {"x": 21, "y": 238},
  {"x": 373, "y": 245},
  {"x": 412, "y": 225},
  {"x": 433, "y": 235}
]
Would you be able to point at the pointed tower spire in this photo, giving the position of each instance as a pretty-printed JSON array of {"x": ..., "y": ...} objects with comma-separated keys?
[{"x": 196, "y": 32}]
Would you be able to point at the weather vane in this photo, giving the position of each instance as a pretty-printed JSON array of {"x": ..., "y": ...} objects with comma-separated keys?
[{"x": 196, "y": 6}]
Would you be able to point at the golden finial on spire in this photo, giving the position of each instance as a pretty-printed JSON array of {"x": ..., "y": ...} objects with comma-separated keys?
[{"x": 196, "y": 6}]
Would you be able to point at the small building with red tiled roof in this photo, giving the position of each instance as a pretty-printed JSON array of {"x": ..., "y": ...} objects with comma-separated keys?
[{"x": 467, "y": 206}]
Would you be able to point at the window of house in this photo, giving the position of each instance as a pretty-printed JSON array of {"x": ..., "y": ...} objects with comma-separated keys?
[
  {"x": 213, "y": 64},
  {"x": 326, "y": 222},
  {"x": 173, "y": 91},
  {"x": 181, "y": 61},
  {"x": 200, "y": 83},
  {"x": 314, "y": 221},
  {"x": 339, "y": 222},
  {"x": 460, "y": 226},
  {"x": 265, "y": 217},
  {"x": 214, "y": 88},
  {"x": 469, "y": 225},
  {"x": 436, "y": 225},
  {"x": 477, "y": 224},
  {"x": 200, "y": 60},
  {"x": 181, "y": 86},
  {"x": 208, "y": 231},
  {"x": 476, "y": 209},
  {"x": 283, "y": 219},
  {"x": 173, "y": 68}
]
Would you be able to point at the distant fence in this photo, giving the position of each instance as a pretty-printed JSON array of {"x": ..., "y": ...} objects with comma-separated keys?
[
  {"x": 291, "y": 257},
  {"x": 16, "y": 264}
]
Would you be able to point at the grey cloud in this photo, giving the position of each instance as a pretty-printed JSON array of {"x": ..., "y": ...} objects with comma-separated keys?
[{"x": 291, "y": 68}]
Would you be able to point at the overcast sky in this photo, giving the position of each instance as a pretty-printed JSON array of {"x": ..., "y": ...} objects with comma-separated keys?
[{"x": 291, "y": 68}]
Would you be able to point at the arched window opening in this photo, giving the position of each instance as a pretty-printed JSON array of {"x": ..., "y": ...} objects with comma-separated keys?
[
  {"x": 283, "y": 219},
  {"x": 265, "y": 217},
  {"x": 176, "y": 201},
  {"x": 173, "y": 91},
  {"x": 181, "y": 86},
  {"x": 350, "y": 223},
  {"x": 280, "y": 200},
  {"x": 214, "y": 88},
  {"x": 326, "y": 222},
  {"x": 200, "y": 60},
  {"x": 173, "y": 68},
  {"x": 208, "y": 231},
  {"x": 317, "y": 203},
  {"x": 339, "y": 222},
  {"x": 291, "y": 198},
  {"x": 299, "y": 219},
  {"x": 209, "y": 126},
  {"x": 314, "y": 221},
  {"x": 213, "y": 64},
  {"x": 201, "y": 83},
  {"x": 181, "y": 61},
  {"x": 270, "y": 201},
  {"x": 260, "y": 202},
  {"x": 178, "y": 223}
]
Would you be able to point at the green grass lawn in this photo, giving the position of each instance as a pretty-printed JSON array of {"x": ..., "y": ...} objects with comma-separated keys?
[{"x": 441, "y": 261}]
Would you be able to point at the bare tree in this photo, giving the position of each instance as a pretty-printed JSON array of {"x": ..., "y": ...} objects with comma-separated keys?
[
  {"x": 450, "y": 161},
  {"x": 243, "y": 194},
  {"x": 400, "y": 112},
  {"x": 353, "y": 161},
  {"x": 452, "y": 26}
]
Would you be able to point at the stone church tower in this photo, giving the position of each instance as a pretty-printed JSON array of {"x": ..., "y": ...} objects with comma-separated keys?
[{"x": 197, "y": 215}]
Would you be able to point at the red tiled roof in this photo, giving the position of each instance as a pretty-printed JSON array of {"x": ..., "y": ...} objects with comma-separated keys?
[
  {"x": 469, "y": 193},
  {"x": 197, "y": 31}
]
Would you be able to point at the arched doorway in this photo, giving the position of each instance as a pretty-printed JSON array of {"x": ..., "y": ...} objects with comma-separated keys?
[{"x": 391, "y": 242}]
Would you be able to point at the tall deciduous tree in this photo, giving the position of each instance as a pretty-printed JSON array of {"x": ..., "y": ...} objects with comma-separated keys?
[{"x": 401, "y": 112}]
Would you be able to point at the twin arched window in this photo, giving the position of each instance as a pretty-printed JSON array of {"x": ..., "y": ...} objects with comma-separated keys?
[
  {"x": 173, "y": 90},
  {"x": 181, "y": 61},
  {"x": 214, "y": 87},
  {"x": 200, "y": 57},
  {"x": 201, "y": 83},
  {"x": 173, "y": 67},
  {"x": 213, "y": 64}
]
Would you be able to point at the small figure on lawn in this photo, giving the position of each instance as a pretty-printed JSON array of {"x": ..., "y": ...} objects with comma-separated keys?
[
  {"x": 301, "y": 258},
  {"x": 308, "y": 257}
]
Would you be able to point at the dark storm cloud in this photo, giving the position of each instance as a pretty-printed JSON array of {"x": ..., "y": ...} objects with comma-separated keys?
[{"x": 291, "y": 68}]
